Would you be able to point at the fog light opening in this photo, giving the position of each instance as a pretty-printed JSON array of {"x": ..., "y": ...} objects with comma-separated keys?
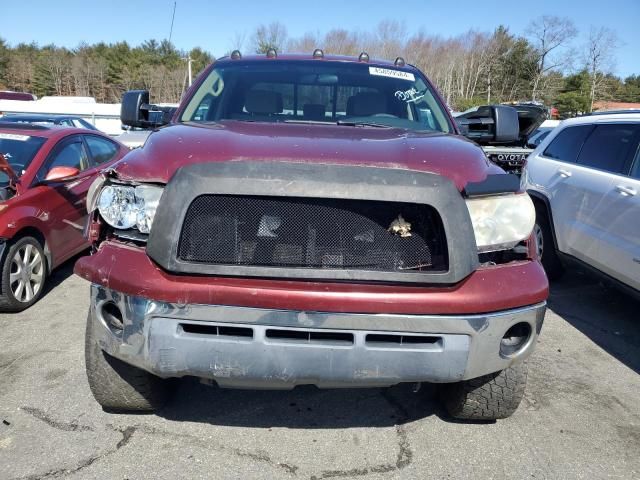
[
  {"x": 515, "y": 338},
  {"x": 112, "y": 316}
]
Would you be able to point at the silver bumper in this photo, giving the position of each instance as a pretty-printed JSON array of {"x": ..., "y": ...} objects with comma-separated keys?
[{"x": 262, "y": 348}]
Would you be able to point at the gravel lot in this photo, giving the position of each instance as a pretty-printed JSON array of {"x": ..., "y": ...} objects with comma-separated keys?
[{"x": 580, "y": 417}]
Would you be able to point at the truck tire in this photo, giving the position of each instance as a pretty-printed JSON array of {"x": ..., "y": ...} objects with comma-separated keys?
[
  {"x": 118, "y": 386},
  {"x": 490, "y": 397},
  {"x": 546, "y": 246},
  {"x": 24, "y": 274}
]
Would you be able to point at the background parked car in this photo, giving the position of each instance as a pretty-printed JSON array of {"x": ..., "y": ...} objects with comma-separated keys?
[
  {"x": 21, "y": 96},
  {"x": 134, "y": 138},
  {"x": 62, "y": 120},
  {"x": 45, "y": 173},
  {"x": 585, "y": 182}
]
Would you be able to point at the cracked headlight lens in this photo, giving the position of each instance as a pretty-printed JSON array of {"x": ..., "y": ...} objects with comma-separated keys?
[
  {"x": 500, "y": 223},
  {"x": 124, "y": 207}
]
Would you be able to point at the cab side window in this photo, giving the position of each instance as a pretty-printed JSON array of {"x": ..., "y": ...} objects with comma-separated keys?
[
  {"x": 102, "y": 150},
  {"x": 609, "y": 146},
  {"x": 568, "y": 143}
]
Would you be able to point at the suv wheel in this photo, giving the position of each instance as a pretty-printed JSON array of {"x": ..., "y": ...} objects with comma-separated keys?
[
  {"x": 547, "y": 252},
  {"x": 116, "y": 385},
  {"x": 24, "y": 272},
  {"x": 490, "y": 397}
]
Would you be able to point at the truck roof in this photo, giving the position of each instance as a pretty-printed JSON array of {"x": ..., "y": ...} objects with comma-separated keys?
[{"x": 311, "y": 57}]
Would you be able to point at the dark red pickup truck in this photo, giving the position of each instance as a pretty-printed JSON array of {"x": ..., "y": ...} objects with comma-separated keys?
[{"x": 311, "y": 220}]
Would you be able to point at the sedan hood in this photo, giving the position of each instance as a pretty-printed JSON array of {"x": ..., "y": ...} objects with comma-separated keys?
[{"x": 179, "y": 145}]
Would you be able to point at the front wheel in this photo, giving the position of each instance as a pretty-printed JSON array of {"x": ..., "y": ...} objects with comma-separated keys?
[
  {"x": 116, "y": 385},
  {"x": 490, "y": 397},
  {"x": 24, "y": 272}
]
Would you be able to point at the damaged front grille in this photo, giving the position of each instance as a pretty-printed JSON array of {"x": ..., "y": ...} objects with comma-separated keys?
[{"x": 312, "y": 233}]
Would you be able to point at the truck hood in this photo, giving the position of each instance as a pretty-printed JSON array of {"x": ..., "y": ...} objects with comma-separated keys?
[{"x": 179, "y": 145}]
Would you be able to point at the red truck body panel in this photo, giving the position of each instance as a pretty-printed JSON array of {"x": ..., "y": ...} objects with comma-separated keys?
[{"x": 128, "y": 270}]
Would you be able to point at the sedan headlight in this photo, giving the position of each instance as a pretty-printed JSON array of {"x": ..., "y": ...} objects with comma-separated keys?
[
  {"x": 124, "y": 207},
  {"x": 501, "y": 222}
]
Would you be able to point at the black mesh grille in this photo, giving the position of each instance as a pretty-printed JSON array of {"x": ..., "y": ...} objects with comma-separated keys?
[{"x": 311, "y": 233}]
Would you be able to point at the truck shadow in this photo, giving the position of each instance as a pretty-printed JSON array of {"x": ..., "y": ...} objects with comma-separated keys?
[
  {"x": 61, "y": 273},
  {"x": 302, "y": 408},
  {"x": 609, "y": 317}
]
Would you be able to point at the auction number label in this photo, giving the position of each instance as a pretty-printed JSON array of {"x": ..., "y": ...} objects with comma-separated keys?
[{"x": 387, "y": 72}]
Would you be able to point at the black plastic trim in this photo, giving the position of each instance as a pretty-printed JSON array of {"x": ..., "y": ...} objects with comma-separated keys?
[
  {"x": 493, "y": 185},
  {"x": 547, "y": 206},
  {"x": 285, "y": 179}
]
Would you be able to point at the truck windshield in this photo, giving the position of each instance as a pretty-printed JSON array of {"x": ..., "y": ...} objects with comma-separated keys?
[
  {"x": 19, "y": 151},
  {"x": 344, "y": 93}
]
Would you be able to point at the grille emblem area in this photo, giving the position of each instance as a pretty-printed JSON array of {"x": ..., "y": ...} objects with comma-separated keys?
[{"x": 400, "y": 227}]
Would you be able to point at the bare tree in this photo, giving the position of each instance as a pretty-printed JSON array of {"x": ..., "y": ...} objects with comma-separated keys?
[
  {"x": 342, "y": 42},
  {"x": 549, "y": 35},
  {"x": 599, "y": 58},
  {"x": 305, "y": 44},
  {"x": 238, "y": 41},
  {"x": 269, "y": 36},
  {"x": 390, "y": 39}
]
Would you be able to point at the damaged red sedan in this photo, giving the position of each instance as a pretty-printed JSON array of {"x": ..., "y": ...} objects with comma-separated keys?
[
  {"x": 45, "y": 173},
  {"x": 307, "y": 219}
]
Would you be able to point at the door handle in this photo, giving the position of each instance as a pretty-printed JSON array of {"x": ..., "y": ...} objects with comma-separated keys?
[
  {"x": 565, "y": 173},
  {"x": 626, "y": 190}
]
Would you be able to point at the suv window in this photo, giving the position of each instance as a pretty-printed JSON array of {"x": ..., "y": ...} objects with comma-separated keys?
[
  {"x": 635, "y": 167},
  {"x": 609, "y": 146},
  {"x": 102, "y": 150},
  {"x": 568, "y": 143}
]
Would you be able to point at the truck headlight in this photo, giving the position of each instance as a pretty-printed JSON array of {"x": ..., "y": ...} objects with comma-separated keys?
[
  {"x": 124, "y": 207},
  {"x": 501, "y": 222}
]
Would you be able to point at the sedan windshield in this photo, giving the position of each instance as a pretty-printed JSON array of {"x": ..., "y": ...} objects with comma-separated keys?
[
  {"x": 344, "y": 93},
  {"x": 19, "y": 151}
]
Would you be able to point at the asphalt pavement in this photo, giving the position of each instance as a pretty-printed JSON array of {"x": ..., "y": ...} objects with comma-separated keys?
[{"x": 580, "y": 417}]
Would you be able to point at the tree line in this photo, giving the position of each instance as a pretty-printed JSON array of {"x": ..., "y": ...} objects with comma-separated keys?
[
  {"x": 547, "y": 63},
  {"x": 103, "y": 71}
]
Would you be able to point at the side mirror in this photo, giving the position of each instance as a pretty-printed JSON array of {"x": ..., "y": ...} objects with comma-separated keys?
[
  {"x": 136, "y": 111},
  {"x": 491, "y": 124},
  {"x": 61, "y": 173},
  {"x": 6, "y": 168}
]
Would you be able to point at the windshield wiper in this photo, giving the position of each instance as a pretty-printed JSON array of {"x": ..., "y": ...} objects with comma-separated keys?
[{"x": 361, "y": 123}]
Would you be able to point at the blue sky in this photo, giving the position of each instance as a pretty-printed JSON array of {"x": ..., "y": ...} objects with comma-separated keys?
[{"x": 212, "y": 24}]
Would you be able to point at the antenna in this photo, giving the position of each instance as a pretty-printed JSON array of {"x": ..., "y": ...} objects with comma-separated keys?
[{"x": 172, "y": 18}]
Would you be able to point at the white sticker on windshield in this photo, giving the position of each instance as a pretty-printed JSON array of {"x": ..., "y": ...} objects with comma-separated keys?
[
  {"x": 387, "y": 72},
  {"x": 13, "y": 136}
]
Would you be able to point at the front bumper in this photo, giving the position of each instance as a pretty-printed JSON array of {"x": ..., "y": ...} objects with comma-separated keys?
[{"x": 246, "y": 347}]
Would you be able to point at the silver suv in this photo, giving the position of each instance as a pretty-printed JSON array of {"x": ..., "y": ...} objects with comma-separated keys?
[{"x": 584, "y": 179}]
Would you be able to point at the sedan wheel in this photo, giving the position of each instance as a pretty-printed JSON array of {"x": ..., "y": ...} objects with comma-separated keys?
[
  {"x": 27, "y": 273},
  {"x": 24, "y": 274}
]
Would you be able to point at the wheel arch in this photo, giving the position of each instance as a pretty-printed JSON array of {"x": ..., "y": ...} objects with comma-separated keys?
[
  {"x": 542, "y": 202},
  {"x": 31, "y": 231}
]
